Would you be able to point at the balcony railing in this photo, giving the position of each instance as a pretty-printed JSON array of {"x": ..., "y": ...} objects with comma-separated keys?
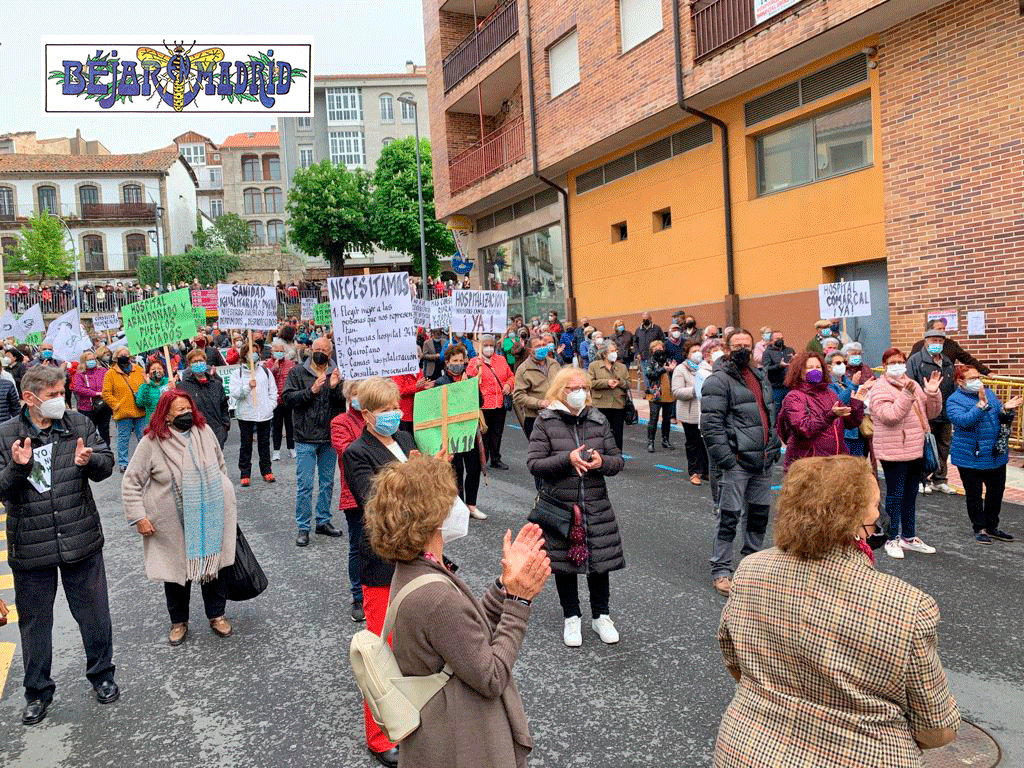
[
  {"x": 118, "y": 211},
  {"x": 492, "y": 33},
  {"x": 494, "y": 152},
  {"x": 719, "y": 22}
]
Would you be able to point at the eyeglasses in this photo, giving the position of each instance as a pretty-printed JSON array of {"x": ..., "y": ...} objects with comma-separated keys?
[{"x": 576, "y": 389}]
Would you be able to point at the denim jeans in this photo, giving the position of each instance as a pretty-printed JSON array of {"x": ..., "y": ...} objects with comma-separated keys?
[
  {"x": 311, "y": 458},
  {"x": 354, "y": 518},
  {"x": 901, "y": 481},
  {"x": 125, "y": 427}
]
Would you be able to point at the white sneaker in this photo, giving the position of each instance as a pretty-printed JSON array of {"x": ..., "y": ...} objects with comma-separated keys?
[
  {"x": 292, "y": 452},
  {"x": 893, "y": 549},
  {"x": 572, "y": 634},
  {"x": 276, "y": 456},
  {"x": 916, "y": 545},
  {"x": 476, "y": 514},
  {"x": 605, "y": 629},
  {"x": 926, "y": 488},
  {"x": 943, "y": 488}
]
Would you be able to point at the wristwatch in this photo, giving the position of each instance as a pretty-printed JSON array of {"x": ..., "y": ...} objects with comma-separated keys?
[{"x": 516, "y": 598}]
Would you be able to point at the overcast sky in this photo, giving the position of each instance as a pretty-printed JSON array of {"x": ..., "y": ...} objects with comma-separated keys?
[{"x": 350, "y": 36}]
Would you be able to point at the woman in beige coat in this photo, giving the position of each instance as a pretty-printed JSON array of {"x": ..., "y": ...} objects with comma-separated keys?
[
  {"x": 610, "y": 387},
  {"x": 177, "y": 494},
  {"x": 684, "y": 390},
  {"x": 477, "y": 718}
]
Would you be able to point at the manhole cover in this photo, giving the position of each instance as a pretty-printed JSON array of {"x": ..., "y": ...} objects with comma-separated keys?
[{"x": 972, "y": 746}]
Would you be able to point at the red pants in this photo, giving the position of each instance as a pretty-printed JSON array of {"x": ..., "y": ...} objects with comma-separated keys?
[{"x": 375, "y": 606}]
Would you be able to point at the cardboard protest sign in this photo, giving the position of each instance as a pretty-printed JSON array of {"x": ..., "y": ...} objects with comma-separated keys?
[
  {"x": 164, "y": 319},
  {"x": 308, "y": 307},
  {"x": 225, "y": 371},
  {"x": 849, "y": 299},
  {"x": 371, "y": 319},
  {"x": 479, "y": 311},
  {"x": 9, "y": 327},
  {"x": 322, "y": 314},
  {"x": 447, "y": 415},
  {"x": 247, "y": 306},
  {"x": 32, "y": 325},
  {"x": 106, "y": 322},
  {"x": 421, "y": 313},
  {"x": 441, "y": 312}
]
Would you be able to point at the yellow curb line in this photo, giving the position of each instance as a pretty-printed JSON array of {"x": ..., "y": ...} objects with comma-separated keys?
[
  {"x": 6, "y": 581},
  {"x": 6, "y": 657}
]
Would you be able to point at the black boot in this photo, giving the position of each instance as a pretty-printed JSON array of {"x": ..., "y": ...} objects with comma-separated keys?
[
  {"x": 650, "y": 446},
  {"x": 665, "y": 443}
]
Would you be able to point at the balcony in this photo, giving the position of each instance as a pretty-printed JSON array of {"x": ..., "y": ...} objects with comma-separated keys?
[
  {"x": 92, "y": 211},
  {"x": 718, "y": 22},
  {"x": 495, "y": 151},
  {"x": 491, "y": 33}
]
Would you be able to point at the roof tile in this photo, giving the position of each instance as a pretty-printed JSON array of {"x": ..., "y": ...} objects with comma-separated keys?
[
  {"x": 251, "y": 139},
  {"x": 155, "y": 160}
]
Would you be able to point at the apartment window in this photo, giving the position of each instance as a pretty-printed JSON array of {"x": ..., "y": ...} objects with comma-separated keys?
[
  {"x": 347, "y": 148},
  {"x": 305, "y": 123},
  {"x": 275, "y": 231},
  {"x": 253, "y": 200},
  {"x": 305, "y": 157},
  {"x": 661, "y": 220},
  {"x": 7, "y": 203},
  {"x": 216, "y": 178},
  {"x": 216, "y": 208},
  {"x": 273, "y": 199},
  {"x": 408, "y": 110},
  {"x": 132, "y": 193},
  {"x": 271, "y": 168},
  {"x": 8, "y": 245},
  {"x": 92, "y": 247},
  {"x": 386, "y": 140},
  {"x": 251, "y": 168},
  {"x": 827, "y": 145},
  {"x": 344, "y": 105},
  {"x": 88, "y": 195},
  {"x": 387, "y": 108},
  {"x": 564, "y": 64},
  {"x": 256, "y": 229},
  {"x": 135, "y": 246},
  {"x": 195, "y": 154},
  {"x": 620, "y": 232},
  {"x": 638, "y": 20},
  {"x": 47, "y": 199}
]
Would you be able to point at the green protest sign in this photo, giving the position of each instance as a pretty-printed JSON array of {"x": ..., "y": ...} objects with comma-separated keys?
[
  {"x": 322, "y": 313},
  {"x": 447, "y": 415},
  {"x": 34, "y": 339},
  {"x": 164, "y": 319},
  {"x": 200, "y": 314}
]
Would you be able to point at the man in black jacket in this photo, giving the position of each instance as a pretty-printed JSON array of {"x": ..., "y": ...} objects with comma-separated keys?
[
  {"x": 738, "y": 424},
  {"x": 313, "y": 392},
  {"x": 951, "y": 348},
  {"x": 775, "y": 362},
  {"x": 647, "y": 332},
  {"x": 47, "y": 457}
]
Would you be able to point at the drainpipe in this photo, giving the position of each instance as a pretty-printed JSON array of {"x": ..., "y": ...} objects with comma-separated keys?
[
  {"x": 732, "y": 301},
  {"x": 570, "y": 299}
]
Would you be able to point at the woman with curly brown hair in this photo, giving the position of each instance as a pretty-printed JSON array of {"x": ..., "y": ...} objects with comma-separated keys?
[
  {"x": 477, "y": 718},
  {"x": 837, "y": 664}
]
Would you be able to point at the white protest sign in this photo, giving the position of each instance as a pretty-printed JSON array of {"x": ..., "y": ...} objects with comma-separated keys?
[
  {"x": 421, "y": 313},
  {"x": 31, "y": 322},
  {"x": 247, "y": 306},
  {"x": 849, "y": 299},
  {"x": 9, "y": 325},
  {"x": 116, "y": 344},
  {"x": 371, "y": 319},
  {"x": 949, "y": 315},
  {"x": 307, "y": 308},
  {"x": 479, "y": 311},
  {"x": 106, "y": 322},
  {"x": 69, "y": 344},
  {"x": 976, "y": 322},
  {"x": 42, "y": 468},
  {"x": 69, "y": 320},
  {"x": 441, "y": 312}
]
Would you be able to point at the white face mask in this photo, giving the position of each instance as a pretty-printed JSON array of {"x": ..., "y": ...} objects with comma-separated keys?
[
  {"x": 53, "y": 408},
  {"x": 716, "y": 355},
  {"x": 613, "y": 356},
  {"x": 456, "y": 525},
  {"x": 676, "y": 334},
  {"x": 577, "y": 399},
  {"x": 598, "y": 341},
  {"x": 488, "y": 351},
  {"x": 839, "y": 369},
  {"x": 896, "y": 370},
  {"x": 696, "y": 356}
]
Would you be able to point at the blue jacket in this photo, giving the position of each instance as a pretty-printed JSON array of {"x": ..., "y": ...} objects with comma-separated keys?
[
  {"x": 569, "y": 340},
  {"x": 844, "y": 389},
  {"x": 460, "y": 340},
  {"x": 975, "y": 430}
]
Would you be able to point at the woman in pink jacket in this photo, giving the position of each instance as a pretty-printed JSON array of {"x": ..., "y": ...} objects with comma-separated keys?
[{"x": 901, "y": 410}]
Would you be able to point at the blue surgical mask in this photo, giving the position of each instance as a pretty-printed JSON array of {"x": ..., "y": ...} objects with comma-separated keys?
[
  {"x": 855, "y": 360},
  {"x": 387, "y": 423},
  {"x": 90, "y": 363},
  {"x": 542, "y": 352},
  {"x": 974, "y": 385},
  {"x": 199, "y": 368},
  {"x": 278, "y": 354},
  {"x": 354, "y": 404},
  {"x": 934, "y": 349},
  {"x": 46, "y": 354},
  {"x": 767, "y": 335}
]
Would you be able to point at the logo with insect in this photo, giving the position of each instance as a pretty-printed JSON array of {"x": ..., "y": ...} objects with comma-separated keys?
[{"x": 129, "y": 75}]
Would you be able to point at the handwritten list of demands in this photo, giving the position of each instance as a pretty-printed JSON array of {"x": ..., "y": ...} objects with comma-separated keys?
[
  {"x": 247, "y": 306},
  {"x": 372, "y": 321}
]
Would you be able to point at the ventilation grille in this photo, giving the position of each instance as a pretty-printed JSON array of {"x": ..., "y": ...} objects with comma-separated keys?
[
  {"x": 815, "y": 86},
  {"x": 484, "y": 223},
  {"x": 693, "y": 137},
  {"x": 545, "y": 198},
  {"x": 517, "y": 210},
  {"x": 503, "y": 215},
  {"x": 655, "y": 153},
  {"x": 620, "y": 167},
  {"x": 590, "y": 180},
  {"x": 522, "y": 208}
]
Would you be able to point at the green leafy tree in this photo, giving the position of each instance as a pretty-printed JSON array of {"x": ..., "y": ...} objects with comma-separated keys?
[
  {"x": 396, "y": 205},
  {"x": 233, "y": 233},
  {"x": 210, "y": 265},
  {"x": 42, "y": 250},
  {"x": 330, "y": 216}
]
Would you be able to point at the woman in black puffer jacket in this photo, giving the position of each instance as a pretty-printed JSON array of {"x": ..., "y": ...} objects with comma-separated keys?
[{"x": 562, "y": 434}]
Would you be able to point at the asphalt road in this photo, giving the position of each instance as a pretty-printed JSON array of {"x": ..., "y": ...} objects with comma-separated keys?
[{"x": 280, "y": 693}]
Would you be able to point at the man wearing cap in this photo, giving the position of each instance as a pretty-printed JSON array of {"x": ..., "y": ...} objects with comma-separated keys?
[
  {"x": 952, "y": 349},
  {"x": 822, "y": 331},
  {"x": 920, "y": 366}
]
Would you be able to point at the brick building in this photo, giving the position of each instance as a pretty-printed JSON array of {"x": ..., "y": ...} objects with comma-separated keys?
[{"x": 727, "y": 156}]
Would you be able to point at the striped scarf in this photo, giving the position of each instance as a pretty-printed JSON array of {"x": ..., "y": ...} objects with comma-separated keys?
[{"x": 200, "y": 498}]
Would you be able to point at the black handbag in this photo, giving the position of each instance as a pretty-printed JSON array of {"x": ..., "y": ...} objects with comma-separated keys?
[
  {"x": 631, "y": 416},
  {"x": 244, "y": 579},
  {"x": 553, "y": 519}
]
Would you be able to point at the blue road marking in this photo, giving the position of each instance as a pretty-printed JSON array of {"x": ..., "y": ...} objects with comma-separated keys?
[
  {"x": 675, "y": 427},
  {"x": 776, "y": 487},
  {"x": 515, "y": 426},
  {"x": 670, "y": 469},
  {"x": 626, "y": 456}
]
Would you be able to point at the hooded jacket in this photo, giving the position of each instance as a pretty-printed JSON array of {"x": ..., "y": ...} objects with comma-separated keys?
[{"x": 731, "y": 420}]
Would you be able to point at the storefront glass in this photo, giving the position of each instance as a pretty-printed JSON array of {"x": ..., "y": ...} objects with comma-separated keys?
[{"x": 531, "y": 268}]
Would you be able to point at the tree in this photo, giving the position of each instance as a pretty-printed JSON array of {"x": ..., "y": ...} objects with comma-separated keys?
[
  {"x": 329, "y": 209},
  {"x": 396, "y": 206},
  {"x": 210, "y": 265},
  {"x": 42, "y": 250},
  {"x": 233, "y": 232}
]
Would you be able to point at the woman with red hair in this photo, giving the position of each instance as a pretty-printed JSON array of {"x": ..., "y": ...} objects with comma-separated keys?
[{"x": 178, "y": 495}]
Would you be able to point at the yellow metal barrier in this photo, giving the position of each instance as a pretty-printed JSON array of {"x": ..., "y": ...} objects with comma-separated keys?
[{"x": 1006, "y": 387}]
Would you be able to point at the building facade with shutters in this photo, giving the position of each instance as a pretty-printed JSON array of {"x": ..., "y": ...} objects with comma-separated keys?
[
  {"x": 204, "y": 158},
  {"x": 728, "y": 156},
  {"x": 254, "y": 186},
  {"x": 109, "y": 203}
]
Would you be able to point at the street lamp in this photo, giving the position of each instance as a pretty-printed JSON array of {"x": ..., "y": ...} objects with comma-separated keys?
[
  {"x": 74, "y": 256},
  {"x": 155, "y": 236},
  {"x": 419, "y": 192}
]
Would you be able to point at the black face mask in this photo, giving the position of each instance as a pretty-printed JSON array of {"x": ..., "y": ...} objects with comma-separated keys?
[
  {"x": 741, "y": 357},
  {"x": 647, "y": 323},
  {"x": 320, "y": 358},
  {"x": 124, "y": 363},
  {"x": 780, "y": 343},
  {"x": 690, "y": 323},
  {"x": 660, "y": 357},
  {"x": 457, "y": 368},
  {"x": 183, "y": 421}
]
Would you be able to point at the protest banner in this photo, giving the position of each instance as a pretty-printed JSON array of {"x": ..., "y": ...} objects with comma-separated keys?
[
  {"x": 69, "y": 343},
  {"x": 225, "y": 371},
  {"x": 69, "y": 320},
  {"x": 448, "y": 416},
  {"x": 200, "y": 316},
  {"x": 441, "y": 312},
  {"x": 206, "y": 298},
  {"x": 308, "y": 308},
  {"x": 163, "y": 319},
  {"x": 31, "y": 325},
  {"x": 421, "y": 313},
  {"x": 322, "y": 314},
  {"x": 252, "y": 307},
  {"x": 849, "y": 299},
  {"x": 479, "y": 311},
  {"x": 371, "y": 319},
  {"x": 106, "y": 322},
  {"x": 949, "y": 315},
  {"x": 9, "y": 327}
]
